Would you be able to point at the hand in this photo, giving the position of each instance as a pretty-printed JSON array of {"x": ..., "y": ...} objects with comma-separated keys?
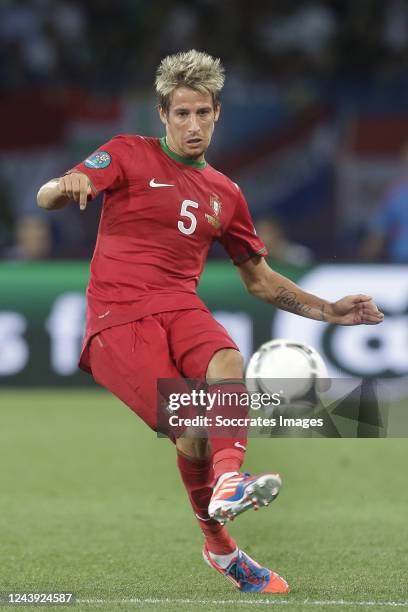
[
  {"x": 355, "y": 310},
  {"x": 76, "y": 186}
]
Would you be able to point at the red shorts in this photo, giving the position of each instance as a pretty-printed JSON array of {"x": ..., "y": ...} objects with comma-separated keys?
[{"x": 128, "y": 359}]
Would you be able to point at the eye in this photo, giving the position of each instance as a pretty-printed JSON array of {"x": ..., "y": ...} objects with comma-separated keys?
[{"x": 182, "y": 113}]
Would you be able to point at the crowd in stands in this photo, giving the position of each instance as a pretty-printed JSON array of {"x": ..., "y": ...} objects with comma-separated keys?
[{"x": 107, "y": 45}]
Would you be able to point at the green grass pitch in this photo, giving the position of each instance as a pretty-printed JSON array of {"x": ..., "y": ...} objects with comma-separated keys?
[{"x": 91, "y": 502}]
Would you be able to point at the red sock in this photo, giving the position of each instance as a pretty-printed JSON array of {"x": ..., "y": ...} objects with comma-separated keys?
[
  {"x": 228, "y": 444},
  {"x": 197, "y": 476},
  {"x": 227, "y": 459}
]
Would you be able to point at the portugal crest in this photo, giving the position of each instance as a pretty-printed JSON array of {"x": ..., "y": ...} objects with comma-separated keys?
[{"x": 216, "y": 205}]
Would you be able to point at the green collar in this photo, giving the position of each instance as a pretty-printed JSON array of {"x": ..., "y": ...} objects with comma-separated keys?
[{"x": 179, "y": 158}]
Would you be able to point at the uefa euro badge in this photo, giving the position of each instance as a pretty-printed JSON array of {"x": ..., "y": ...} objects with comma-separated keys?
[{"x": 98, "y": 160}]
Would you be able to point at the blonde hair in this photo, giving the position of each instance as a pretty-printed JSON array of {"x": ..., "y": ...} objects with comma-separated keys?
[{"x": 193, "y": 69}]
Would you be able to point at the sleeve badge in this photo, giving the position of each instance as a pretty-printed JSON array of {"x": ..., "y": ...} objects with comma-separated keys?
[{"x": 99, "y": 160}]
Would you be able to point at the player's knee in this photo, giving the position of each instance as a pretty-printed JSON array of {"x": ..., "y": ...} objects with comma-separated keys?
[{"x": 226, "y": 363}]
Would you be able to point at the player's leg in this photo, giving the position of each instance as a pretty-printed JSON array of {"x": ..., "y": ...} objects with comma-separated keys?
[
  {"x": 225, "y": 375},
  {"x": 203, "y": 350},
  {"x": 198, "y": 344},
  {"x": 128, "y": 360},
  {"x": 234, "y": 492},
  {"x": 194, "y": 460},
  {"x": 195, "y": 467},
  {"x": 194, "y": 463}
]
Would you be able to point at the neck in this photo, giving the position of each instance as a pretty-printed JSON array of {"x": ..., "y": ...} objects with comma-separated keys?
[{"x": 194, "y": 163}]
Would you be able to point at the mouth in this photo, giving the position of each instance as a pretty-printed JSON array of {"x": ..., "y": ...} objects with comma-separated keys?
[{"x": 194, "y": 141}]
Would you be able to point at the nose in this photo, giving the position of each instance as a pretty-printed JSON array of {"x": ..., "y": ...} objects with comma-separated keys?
[{"x": 193, "y": 123}]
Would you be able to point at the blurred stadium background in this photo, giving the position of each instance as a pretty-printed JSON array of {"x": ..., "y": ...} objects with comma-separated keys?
[{"x": 314, "y": 128}]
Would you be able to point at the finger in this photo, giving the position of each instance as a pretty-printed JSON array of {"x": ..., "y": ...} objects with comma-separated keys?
[
  {"x": 375, "y": 307},
  {"x": 83, "y": 198},
  {"x": 75, "y": 187},
  {"x": 66, "y": 186},
  {"x": 373, "y": 313},
  {"x": 375, "y": 316},
  {"x": 365, "y": 315},
  {"x": 371, "y": 322},
  {"x": 371, "y": 304},
  {"x": 372, "y": 310},
  {"x": 358, "y": 299},
  {"x": 372, "y": 318},
  {"x": 62, "y": 185}
]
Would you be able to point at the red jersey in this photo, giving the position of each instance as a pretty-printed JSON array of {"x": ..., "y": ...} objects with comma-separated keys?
[{"x": 161, "y": 212}]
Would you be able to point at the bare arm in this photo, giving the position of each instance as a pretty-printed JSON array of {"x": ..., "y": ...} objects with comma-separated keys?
[
  {"x": 268, "y": 285},
  {"x": 58, "y": 192}
]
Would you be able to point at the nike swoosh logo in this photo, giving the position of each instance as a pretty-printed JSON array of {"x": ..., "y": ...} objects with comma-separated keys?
[
  {"x": 154, "y": 184},
  {"x": 238, "y": 445}
]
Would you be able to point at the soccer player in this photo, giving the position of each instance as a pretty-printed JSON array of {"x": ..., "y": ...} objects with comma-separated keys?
[{"x": 163, "y": 206}]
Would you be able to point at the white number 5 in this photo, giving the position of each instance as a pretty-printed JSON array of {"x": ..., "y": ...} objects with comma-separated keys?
[{"x": 184, "y": 212}]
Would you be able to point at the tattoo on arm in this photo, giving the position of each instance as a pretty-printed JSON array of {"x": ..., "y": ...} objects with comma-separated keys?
[{"x": 288, "y": 301}]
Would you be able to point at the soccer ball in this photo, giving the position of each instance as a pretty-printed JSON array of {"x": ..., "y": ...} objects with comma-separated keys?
[{"x": 294, "y": 371}]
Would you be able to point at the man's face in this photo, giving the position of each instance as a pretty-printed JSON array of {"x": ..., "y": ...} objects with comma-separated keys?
[{"x": 190, "y": 122}]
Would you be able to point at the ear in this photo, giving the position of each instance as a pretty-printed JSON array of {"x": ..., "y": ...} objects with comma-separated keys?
[
  {"x": 162, "y": 114},
  {"x": 217, "y": 111}
]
